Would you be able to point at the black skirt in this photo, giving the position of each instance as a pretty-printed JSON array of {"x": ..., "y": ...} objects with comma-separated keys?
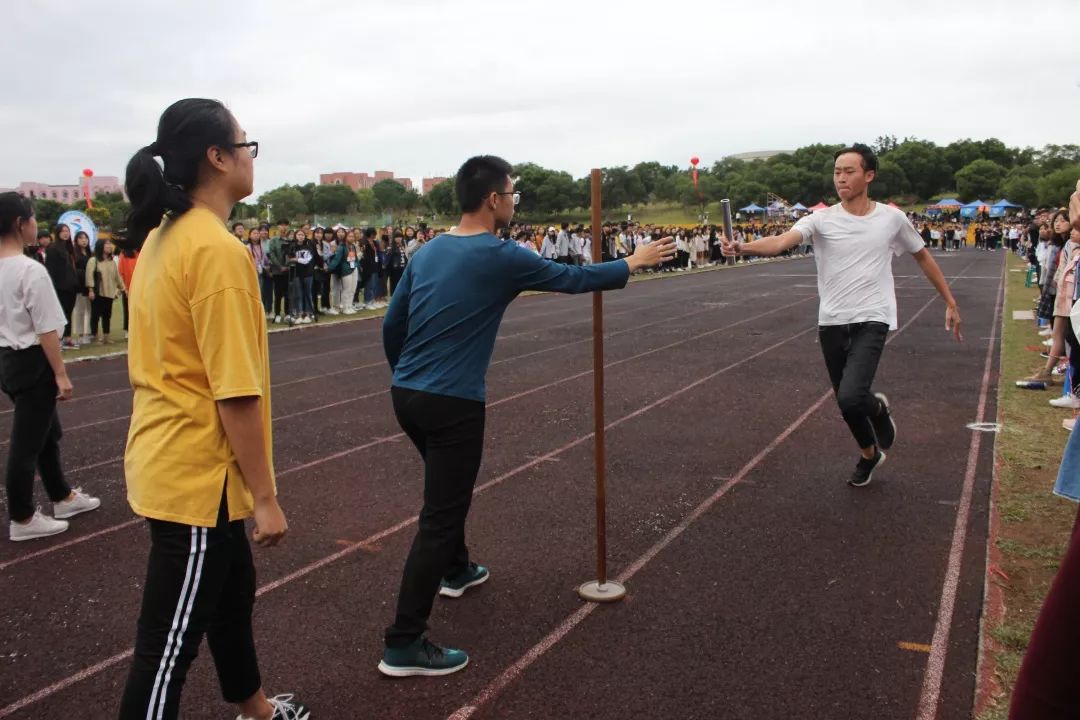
[{"x": 1045, "y": 310}]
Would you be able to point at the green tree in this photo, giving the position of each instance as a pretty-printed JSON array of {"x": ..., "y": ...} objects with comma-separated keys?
[
  {"x": 924, "y": 165},
  {"x": 333, "y": 199},
  {"x": 287, "y": 202},
  {"x": 1055, "y": 157},
  {"x": 979, "y": 179},
  {"x": 1021, "y": 189},
  {"x": 48, "y": 212},
  {"x": 442, "y": 199},
  {"x": 1056, "y": 187},
  {"x": 366, "y": 202},
  {"x": 743, "y": 191},
  {"x": 889, "y": 182},
  {"x": 390, "y": 195}
]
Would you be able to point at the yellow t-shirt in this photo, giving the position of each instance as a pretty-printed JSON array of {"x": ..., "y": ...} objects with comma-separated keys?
[{"x": 197, "y": 334}]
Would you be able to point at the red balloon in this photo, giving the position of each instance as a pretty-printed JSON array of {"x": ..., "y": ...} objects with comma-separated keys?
[
  {"x": 694, "y": 161},
  {"x": 88, "y": 173}
]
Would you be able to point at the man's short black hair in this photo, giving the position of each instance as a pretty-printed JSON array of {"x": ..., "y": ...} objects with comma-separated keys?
[
  {"x": 264, "y": 226},
  {"x": 283, "y": 221},
  {"x": 237, "y": 224},
  {"x": 869, "y": 159},
  {"x": 370, "y": 232},
  {"x": 479, "y": 177},
  {"x": 43, "y": 233}
]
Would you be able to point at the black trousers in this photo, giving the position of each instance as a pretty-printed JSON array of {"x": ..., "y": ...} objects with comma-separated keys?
[
  {"x": 1073, "y": 346},
  {"x": 449, "y": 433},
  {"x": 281, "y": 294},
  {"x": 127, "y": 310},
  {"x": 852, "y": 353},
  {"x": 27, "y": 378},
  {"x": 67, "y": 302},
  {"x": 199, "y": 581},
  {"x": 395, "y": 278},
  {"x": 101, "y": 312}
]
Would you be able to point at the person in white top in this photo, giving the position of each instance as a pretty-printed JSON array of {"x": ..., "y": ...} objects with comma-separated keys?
[
  {"x": 854, "y": 243},
  {"x": 33, "y": 376}
]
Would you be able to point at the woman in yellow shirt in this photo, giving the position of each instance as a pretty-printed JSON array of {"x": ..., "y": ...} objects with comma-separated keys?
[{"x": 198, "y": 459}]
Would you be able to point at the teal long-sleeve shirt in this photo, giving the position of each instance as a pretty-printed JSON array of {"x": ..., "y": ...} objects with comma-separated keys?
[{"x": 439, "y": 331}]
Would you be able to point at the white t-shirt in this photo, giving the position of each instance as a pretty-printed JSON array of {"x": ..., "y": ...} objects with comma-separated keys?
[
  {"x": 28, "y": 303},
  {"x": 853, "y": 255}
]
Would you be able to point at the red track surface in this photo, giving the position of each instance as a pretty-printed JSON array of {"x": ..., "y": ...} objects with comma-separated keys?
[{"x": 760, "y": 585}]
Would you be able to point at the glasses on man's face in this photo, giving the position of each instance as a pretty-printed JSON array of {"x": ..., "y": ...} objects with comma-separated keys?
[
  {"x": 253, "y": 146},
  {"x": 515, "y": 193}
]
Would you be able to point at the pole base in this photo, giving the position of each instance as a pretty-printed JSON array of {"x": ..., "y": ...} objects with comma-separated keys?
[{"x": 610, "y": 591}]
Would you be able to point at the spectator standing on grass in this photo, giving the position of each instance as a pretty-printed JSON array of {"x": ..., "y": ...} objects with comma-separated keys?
[
  {"x": 369, "y": 267},
  {"x": 261, "y": 262},
  {"x": 60, "y": 263},
  {"x": 125, "y": 264},
  {"x": 33, "y": 376},
  {"x": 198, "y": 459},
  {"x": 438, "y": 334},
  {"x": 80, "y": 314},
  {"x": 308, "y": 259},
  {"x": 104, "y": 285},
  {"x": 396, "y": 262},
  {"x": 279, "y": 270}
]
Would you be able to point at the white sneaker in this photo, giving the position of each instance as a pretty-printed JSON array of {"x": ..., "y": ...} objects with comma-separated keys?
[
  {"x": 1046, "y": 332},
  {"x": 78, "y": 503},
  {"x": 39, "y": 526},
  {"x": 1048, "y": 343},
  {"x": 285, "y": 708},
  {"x": 368, "y": 306},
  {"x": 277, "y": 319},
  {"x": 331, "y": 311},
  {"x": 1065, "y": 401}
]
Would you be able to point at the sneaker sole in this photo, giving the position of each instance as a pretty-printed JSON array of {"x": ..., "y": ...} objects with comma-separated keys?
[
  {"x": 74, "y": 513},
  {"x": 885, "y": 401},
  {"x": 871, "y": 475},
  {"x": 38, "y": 535},
  {"x": 456, "y": 593},
  {"x": 394, "y": 671}
]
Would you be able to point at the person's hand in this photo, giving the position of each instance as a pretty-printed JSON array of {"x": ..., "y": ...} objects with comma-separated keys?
[
  {"x": 651, "y": 255},
  {"x": 270, "y": 523},
  {"x": 91, "y": 294},
  {"x": 952, "y": 322},
  {"x": 730, "y": 248},
  {"x": 64, "y": 388}
]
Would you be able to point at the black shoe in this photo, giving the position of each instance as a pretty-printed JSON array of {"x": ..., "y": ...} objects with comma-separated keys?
[
  {"x": 864, "y": 471},
  {"x": 884, "y": 426}
]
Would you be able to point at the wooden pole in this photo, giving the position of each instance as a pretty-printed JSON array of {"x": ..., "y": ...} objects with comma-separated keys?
[
  {"x": 598, "y": 387},
  {"x": 600, "y": 590}
]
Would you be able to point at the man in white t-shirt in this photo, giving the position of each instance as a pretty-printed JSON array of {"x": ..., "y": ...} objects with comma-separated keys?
[{"x": 854, "y": 244}]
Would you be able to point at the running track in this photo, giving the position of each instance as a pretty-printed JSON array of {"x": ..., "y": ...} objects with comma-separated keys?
[{"x": 760, "y": 585}]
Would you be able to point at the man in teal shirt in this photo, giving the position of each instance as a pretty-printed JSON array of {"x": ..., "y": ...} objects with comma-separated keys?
[{"x": 439, "y": 333}]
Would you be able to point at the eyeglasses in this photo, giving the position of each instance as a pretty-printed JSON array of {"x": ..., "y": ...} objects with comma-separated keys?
[
  {"x": 253, "y": 146},
  {"x": 515, "y": 193}
]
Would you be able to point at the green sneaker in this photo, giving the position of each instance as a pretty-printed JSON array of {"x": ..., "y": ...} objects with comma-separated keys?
[
  {"x": 474, "y": 575},
  {"x": 422, "y": 658}
]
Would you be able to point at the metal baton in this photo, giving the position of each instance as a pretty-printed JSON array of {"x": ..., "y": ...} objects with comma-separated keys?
[{"x": 725, "y": 205}]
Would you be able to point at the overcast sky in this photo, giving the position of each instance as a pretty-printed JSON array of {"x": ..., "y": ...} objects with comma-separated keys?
[{"x": 417, "y": 86}]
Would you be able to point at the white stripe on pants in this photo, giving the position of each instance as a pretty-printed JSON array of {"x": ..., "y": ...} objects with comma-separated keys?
[{"x": 179, "y": 625}]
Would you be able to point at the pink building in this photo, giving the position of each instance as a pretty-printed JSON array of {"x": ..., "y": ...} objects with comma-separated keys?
[
  {"x": 68, "y": 194},
  {"x": 357, "y": 181},
  {"x": 430, "y": 183}
]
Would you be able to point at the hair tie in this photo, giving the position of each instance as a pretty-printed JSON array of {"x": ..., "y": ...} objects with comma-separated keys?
[{"x": 153, "y": 149}]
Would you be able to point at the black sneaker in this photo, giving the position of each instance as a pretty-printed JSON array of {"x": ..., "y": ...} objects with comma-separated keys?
[
  {"x": 864, "y": 471},
  {"x": 884, "y": 427}
]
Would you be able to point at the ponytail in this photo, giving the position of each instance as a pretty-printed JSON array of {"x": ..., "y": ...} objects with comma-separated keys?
[
  {"x": 14, "y": 211},
  {"x": 186, "y": 130}
]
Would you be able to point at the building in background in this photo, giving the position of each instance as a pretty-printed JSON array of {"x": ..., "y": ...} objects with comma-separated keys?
[
  {"x": 357, "y": 181},
  {"x": 68, "y": 194},
  {"x": 430, "y": 183}
]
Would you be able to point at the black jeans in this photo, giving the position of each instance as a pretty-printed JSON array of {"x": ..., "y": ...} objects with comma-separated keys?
[
  {"x": 281, "y": 294},
  {"x": 449, "y": 433},
  {"x": 67, "y": 302},
  {"x": 852, "y": 353},
  {"x": 198, "y": 581},
  {"x": 27, "y": 378},
  {"x": 101, "y": 312}
]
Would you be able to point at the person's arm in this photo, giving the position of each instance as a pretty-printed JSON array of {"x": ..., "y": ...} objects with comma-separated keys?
[
  {"x": 50, "y": 343},
  {"x": 91, "y": 266},
  {"x": 933, "y": 273},
  {"x": 766, "y": 247},
  {"x": 1074, "y": 208},
  {"x": 396, "y": 321},
  {"x": 531, "y": 272}
]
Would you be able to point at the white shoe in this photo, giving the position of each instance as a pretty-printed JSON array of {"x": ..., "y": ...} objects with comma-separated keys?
[
  {"x": 277, "y": 319},
  {"x": 367, "y": 306},
  {"x": 349, "y": 311},
  {"x": 331, "y": 311},
  {"x": 39, "y": 526},
  {"x": 78, "y": 503},
  {"x": 1068, "y": 423},
  {"x": 1046, "y": 332},
  {"x": 285, "y": 708},
  {"x": 1065, "y": 401},
  {"x": 305, "y": 320},
  {"x": 1048, "y": 343}
]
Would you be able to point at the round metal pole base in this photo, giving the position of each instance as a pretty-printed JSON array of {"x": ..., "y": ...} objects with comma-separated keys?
[{"x": 610, "y": 591}]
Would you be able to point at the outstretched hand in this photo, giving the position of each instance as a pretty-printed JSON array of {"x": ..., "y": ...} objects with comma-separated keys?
[
  {"x": 652, "y": 254},
  {"x": 952, "y": 322}
]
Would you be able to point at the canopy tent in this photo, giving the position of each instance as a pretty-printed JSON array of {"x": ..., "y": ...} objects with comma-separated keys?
[
  {"x": 1002, "y": 207},
  {"x": 973, "y": 208},
  {"x": 946, "y": 205},
  {"x": 752, "y": 208},
  {"x": 798, "y": 206},
  {"x": 819, "y": 206}
]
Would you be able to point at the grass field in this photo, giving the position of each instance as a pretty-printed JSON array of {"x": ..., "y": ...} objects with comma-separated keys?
[{"x": 1034, "y": 523}]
